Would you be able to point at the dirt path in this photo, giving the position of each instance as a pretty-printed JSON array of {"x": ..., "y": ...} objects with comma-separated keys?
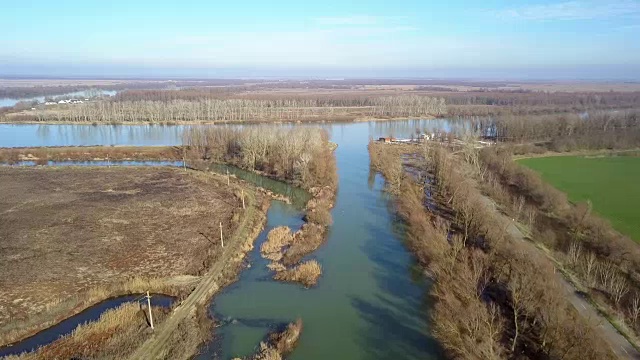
[
  {"x": 619, "y": 344},
  {"x": 156, "y": 346},
  {"x": 575, "y": 153}
]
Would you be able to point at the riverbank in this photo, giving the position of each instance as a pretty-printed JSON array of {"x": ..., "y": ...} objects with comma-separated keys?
[
  {"x": 319, "y": 120},
  {"x": 119, "y": 258},
  {"x": 302, "y": 157},
  {"x": 115, "y": 334},
  {"x": 465, "y": 243},
  {"x": 189, "y": 326}
]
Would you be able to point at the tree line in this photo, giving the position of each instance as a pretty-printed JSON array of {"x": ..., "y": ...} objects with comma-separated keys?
[
  {"x": 558, "y": 132},
  {"x": 236, "y": 109},
  {"x": 495, "y": 102},
  {"x": 606, "y": 262},
  {"x": 493, "y": 298}
]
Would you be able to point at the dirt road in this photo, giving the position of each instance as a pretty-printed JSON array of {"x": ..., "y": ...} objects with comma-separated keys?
[
  {"x": 156, "y": 346},
  {"x": 619, "y": 344}
]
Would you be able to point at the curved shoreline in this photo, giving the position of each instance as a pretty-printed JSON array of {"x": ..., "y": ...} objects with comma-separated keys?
[{"x": 70, "y": 323}]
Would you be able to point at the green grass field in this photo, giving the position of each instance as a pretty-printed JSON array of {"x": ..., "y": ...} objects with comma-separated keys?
[{"x": 612, "y": 183}]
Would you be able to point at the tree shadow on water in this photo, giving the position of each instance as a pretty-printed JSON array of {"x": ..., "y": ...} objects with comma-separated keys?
[
  {"x": 394, "y": 267},
  {"x": 392, "y": 335},
  {"x": 397, "y": 315}
]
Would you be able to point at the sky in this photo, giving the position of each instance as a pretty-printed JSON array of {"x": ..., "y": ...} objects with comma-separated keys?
[{"x": 581, "y": 39}]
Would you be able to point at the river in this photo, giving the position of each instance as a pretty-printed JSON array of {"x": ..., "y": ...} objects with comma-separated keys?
[{"x": 370, "y": 302}]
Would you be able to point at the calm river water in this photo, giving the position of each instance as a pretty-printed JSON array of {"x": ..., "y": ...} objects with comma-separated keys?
[{"x": 370, "y": 302}]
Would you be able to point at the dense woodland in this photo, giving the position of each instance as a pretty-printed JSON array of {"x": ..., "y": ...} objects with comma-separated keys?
[
  {"x": 493, "y": 298},
  {"x": 295, "y": 155}
]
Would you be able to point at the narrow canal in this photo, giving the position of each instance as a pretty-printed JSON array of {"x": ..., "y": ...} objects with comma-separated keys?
[{"x": 67, "y": 326}]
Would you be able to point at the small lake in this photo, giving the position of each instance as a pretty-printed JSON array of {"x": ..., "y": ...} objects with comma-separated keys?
[
  {"x": 80, "y": 94},
  {"x": 371, "y": 300}
]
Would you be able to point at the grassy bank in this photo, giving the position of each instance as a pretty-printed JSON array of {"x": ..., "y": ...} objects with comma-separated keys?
[
  {"x": 115, "y": 335},
  {"x": 610, "y": 183}
]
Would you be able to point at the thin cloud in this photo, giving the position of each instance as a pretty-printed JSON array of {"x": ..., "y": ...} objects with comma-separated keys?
[
  {"x": 574, "y": 10},
  {"x": 358, "y": 20}
]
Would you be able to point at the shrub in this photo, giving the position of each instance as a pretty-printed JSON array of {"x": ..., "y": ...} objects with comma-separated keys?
[
  {"x": 276, "y": 239},
  {"x": 306, "y": 240},
  {"x": 320, "y": 215},
  {"x": 306, "y": 273}
]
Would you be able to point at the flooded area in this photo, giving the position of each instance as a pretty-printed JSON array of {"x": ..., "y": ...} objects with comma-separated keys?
[
  {"x": 371, "y": 300},
  {"x": 30, "y": 135}
]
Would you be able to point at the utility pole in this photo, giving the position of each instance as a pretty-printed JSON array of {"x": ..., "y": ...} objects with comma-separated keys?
[
  {"x": 184, "y": 158},
  {"x": 228, "y": 180},
  {"x": 243, "y": 198},
  {"x": 221, "y": 240},
  {"x": 149, "y": 305}
]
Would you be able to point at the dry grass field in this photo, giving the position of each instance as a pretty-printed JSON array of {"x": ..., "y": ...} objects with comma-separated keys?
[
  {"x": 70, "y": 237},
  {"x": 41, "y": 155}
]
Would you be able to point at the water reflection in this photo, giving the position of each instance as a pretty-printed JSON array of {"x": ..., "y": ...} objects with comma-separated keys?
[
  {"x": 25, "y": 135},
  {"x": 298, "y": 196}
]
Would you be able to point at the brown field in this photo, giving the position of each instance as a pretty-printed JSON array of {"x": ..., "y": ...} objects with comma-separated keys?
[
  {"x": 89, "y": 153},
  {"x": 70, "y": 237}
]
